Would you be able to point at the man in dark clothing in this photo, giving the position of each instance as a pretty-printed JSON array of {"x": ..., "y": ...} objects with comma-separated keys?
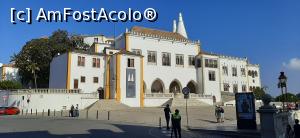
[
  {"x": 167, "y": 111},
  {"x": 297, "y": 129},
  {"x": 72, "y": 111},
  {"x": 176, "y": 123}
]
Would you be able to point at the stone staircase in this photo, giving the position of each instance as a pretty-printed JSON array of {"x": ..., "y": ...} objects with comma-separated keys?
[
  {"x": 226, "y": 97},
  {"x": 107, "y": 105},
  {"x": 181, "y": 102}
]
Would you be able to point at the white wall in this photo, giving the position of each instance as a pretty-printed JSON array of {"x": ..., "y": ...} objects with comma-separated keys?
[
  {"x": 58, "y": 72},
  {"x": 9, "y": 73},
  {"x": 211, "y": 87},
  {"x": 88, "y": 71},
  {"x": 254, "y": 82},
  {"x": 239, "y": 79},
  {"x": 40, "y": 101},
  {"x": 132, "y": 102},
  {"x": 155, "y": 102},
  {"x": 90, "y": 39},
  {"x": 166, "y": 73},
  {"x": 101, "y": 46}
]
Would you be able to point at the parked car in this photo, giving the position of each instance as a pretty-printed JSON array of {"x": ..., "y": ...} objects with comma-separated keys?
[{"x": 9, "y": 110}]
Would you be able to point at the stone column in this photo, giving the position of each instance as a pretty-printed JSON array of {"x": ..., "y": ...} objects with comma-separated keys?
[
  {"x": 267, "y": 121},
  {"x": 267, "y": 118}
]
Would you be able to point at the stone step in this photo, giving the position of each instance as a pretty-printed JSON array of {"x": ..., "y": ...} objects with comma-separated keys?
[
  {"x": 180, "y": 102},
  {"x": 108, "y": 105}
]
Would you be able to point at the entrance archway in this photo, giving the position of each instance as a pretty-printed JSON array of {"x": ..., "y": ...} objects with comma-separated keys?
[
  {"x": 175, "y": 87},
  {"x": 192, "y": 86},
  {"x": 157, "y": 86}
]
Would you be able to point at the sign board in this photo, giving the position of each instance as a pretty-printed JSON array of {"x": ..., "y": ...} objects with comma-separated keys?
[
  {"x": 186, "y": 92},
  {"x": 245, "y": 110},
  {"x": 130, "y": 83},
  {"x": 4, "y": 98}
]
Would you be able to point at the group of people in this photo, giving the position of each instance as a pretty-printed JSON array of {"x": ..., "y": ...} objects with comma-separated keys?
[
  {"x": 219, "y": 113},
  {"x": 175, "y": 119},
  {"x": 290, "y": 133},
  {"x": 74, "y": 112}
]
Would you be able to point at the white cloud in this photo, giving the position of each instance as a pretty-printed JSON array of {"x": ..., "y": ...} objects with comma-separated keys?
[
  {"x": 1, "y": 64},
  {"x": 294, "y": 64}
]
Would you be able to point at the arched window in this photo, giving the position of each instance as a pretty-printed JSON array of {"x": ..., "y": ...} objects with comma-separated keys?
[
  {"x": 175, "y": 87},
  {"x": 192, "y": 86},
  {"x": 157, "y": 86}
]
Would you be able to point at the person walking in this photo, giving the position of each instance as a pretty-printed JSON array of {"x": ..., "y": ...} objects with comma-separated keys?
[
  {"x": 297, "y": 129},
  {"x": 222, "y": 114},
  {"x": 176, "y": 123},
  {"x": 72, "y": 111},
  {"x": 167, "y": 111},
  {"x": 77, "y": 111},
  {"x": 217, "y": 113}
]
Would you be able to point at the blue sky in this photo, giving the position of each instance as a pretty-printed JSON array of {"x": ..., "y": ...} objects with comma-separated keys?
[{"x": 265, "y": 31}]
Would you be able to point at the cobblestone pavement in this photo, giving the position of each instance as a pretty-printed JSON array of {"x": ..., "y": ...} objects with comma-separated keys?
[
  {"x": 62, "y": 127},
  {"x": 200, "y": 118}
]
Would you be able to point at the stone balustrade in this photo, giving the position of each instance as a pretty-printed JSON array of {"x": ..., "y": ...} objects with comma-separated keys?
[
  {"x": 171, "y": 95},
  {"x": 193, "y": 95},
  {"x": 159, "y": 95},
  {"x": 45, "y": 91}
]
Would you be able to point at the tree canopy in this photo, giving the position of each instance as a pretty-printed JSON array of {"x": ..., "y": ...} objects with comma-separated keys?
[
  {"x": 290, "y": 98},
  {"x": 40, "y": 51},
  {"x": 7, "y": 85},
  {"x": 259, "y": 93}
]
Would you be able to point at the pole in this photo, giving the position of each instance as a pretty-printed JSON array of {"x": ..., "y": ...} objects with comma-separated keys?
[
  {"x": 108, "y": 115},
  {"x": 87, "y": 114},
  {"x": 285, "y": 95},
  {"x": 97, "y": 115},
  {"x": 187, "y": 117},
  {"x": 159, "y": 122},
  {"x": 283, "y": 99}
]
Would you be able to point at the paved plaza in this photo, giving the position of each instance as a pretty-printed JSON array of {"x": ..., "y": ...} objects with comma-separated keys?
[{"x": 132, "y": 122}]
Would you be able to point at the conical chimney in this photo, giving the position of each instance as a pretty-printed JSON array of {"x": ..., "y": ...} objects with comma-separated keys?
[
  {"x": 174, "y": 26},
  {"x": 180, "y": 27}
]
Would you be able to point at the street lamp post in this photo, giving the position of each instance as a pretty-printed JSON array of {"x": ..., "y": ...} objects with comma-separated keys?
[{"x": 282, "y": 84}]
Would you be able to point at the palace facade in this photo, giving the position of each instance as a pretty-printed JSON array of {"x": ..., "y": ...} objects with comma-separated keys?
[{"x": 149, "y": 67}]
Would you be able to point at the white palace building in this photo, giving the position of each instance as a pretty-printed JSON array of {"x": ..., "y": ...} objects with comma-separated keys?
[{"x": 145, "y": 67}]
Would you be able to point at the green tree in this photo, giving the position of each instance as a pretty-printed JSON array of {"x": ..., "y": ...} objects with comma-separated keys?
[
  {"x": 33, "y": 67},
  {"x": 298, "y": 96},
  {"x": 259, "y": 93},
  {"x": 34, "y": 59},
  {"x": 59, "y": 42},
  {"x": 35, "y": 54},
  {"x": 78, "y": 43},
  {"x": 289, "y": 98},
  {"x": 7, "y": 85}
]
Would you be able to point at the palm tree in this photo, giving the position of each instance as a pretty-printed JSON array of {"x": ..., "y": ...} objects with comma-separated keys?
[{"x": 32, "y": 67}]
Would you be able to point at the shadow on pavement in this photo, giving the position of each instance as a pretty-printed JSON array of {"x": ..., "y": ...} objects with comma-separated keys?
[
  {"x": 229, "y": 133},
  {"x": 209, "y": 121},
  {"x": 126, "y": 131}
]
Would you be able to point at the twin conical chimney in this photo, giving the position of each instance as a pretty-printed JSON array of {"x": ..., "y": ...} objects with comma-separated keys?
[
  {"x": 174, "y": 26},
  {"x": 180, "y": 27}
]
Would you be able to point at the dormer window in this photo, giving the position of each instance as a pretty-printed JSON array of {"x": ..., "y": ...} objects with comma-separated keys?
[{"x": 95, "y": 40}]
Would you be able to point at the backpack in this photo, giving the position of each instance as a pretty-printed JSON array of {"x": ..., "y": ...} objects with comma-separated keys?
[{"x": 221, "y": 110}]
